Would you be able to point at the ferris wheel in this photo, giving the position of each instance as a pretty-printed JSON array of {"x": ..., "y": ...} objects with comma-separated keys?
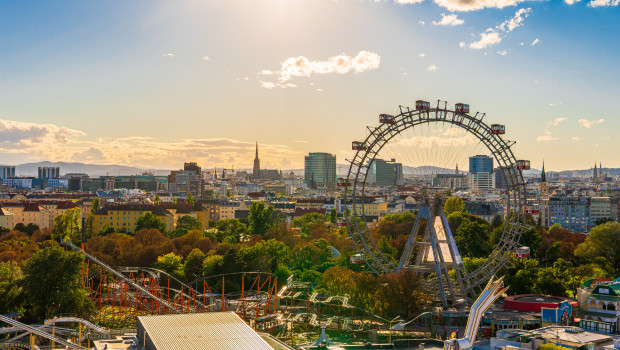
[{"x": 408, "y": 135}]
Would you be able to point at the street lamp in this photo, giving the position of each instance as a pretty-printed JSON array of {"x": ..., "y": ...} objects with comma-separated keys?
[{"x": 395, "y": 319}]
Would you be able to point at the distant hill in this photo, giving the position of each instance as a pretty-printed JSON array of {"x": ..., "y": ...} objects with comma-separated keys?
[{"x": 31, "y": 169}]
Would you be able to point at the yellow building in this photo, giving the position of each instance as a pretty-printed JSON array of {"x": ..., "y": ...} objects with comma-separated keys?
[
  {"x": 28, "y": 213},
  {"x": 374, "y": 210},
  {"x": 124, "y": 217},
  {"x": 6, "y": 219}
]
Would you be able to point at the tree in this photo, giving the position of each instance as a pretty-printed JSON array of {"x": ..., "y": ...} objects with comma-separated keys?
[
  {"x": 68, "y": 225},
  {"x": 497, "y": 221},
  {"x": 265, "y": 255},
  {"x": 157, "y": 200},
  {"x": 229, "y": 230},
  {"x": 170, "y": 263},
  {"x": 28, "y": 229},
  {"x": 261, "y": 218},
  {"x": 150, "y": 220},
  {"x": 472, "y": 239},
  {"x": 602, "y": 247},
  {"x": 213, "y": 265},
  {"x": 522, "y": 277},
  {"x": 333, "y": 216},
  {"x": 53, "y": 284},
  {"x": 11, "y": 278},
  {"x": 188, "y": 223},
  {"x": 209, "y": 194},
  {"x": 190, "y": 200},
  {"x": 454, "y": 204},
  {"x": 308, "y": 220},
  {"x": 96, "y": 205},
  {"x": 193, "y": 264}
]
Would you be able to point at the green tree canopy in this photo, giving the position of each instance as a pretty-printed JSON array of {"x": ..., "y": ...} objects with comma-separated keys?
[
  {"x": 68, "y": 225},
  {"x": 170, "y": 263},
  {"x": 261, "y": 218},
  {"x": 53, "y": 284},
  {"x": 333, "y": 216},
  {"x": 213, "y": 265},
  {"x": 308, "y": 220},
  {"x": 193, "y": 264},
  {"x": 228, "y": 230},
  {"x": 265, "y": 255},
  {"x": 602, "y": 247},
  {"x": 454, "y": 204},
  {"x": 190, "y": 200},
  {"x": 188, "y": 223},
  {"x": 472, "y": 239},
  {"x": 11, "y": 278},
  {"x": 150, "y": 220}
]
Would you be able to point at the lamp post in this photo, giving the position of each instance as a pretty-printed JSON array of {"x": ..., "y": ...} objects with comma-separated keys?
[{"x": 397, "y": 318}]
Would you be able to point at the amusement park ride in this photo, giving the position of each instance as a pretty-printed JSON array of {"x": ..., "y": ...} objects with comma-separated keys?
[{"x": 437, "y": 253}]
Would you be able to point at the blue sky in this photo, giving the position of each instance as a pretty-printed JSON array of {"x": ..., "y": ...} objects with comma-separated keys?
[{"x": 155, "y": 83}]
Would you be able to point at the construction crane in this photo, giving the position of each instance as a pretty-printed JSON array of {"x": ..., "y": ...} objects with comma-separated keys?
[{"x": 491, "y": 292}]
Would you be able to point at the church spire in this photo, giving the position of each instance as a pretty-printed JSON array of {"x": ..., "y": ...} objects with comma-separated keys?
[
  {"x": 543, "y": 175},
  {"x": 256, "y": 169}
]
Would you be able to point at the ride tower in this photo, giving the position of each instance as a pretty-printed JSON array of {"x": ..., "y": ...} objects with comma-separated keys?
[{"x": 435, "y": 253}]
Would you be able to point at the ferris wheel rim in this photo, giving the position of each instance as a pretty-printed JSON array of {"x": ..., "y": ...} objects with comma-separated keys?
[{"x": 500, "y": 149}]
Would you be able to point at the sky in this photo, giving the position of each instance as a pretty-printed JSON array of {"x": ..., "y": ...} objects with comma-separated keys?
[{"x": 157, "y": 83}]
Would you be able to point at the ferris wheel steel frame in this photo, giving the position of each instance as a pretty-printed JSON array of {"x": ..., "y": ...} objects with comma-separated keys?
[{"x": 380, "y": 136}]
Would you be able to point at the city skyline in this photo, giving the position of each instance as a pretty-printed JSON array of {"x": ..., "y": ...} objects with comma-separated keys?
[{"x": 152, "y": 84}]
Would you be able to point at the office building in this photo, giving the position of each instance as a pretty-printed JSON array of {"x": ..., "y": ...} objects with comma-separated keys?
[
  {"x": 320, "y": 170},
  {"x": 385, "y": 173}
]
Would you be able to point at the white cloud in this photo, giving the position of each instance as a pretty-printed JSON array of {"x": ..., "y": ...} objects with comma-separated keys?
[
  {"x": 267, "y": 85},
  {"x": 319, "y": 90},
  {"x": 422, "y": 23},
  {"x": 516, "y": 21},
  {"x": 522, "y": 44},
  {"x": 431, "y": 68},
  {"x": 576, "y": 138},
  {"x": 421, "y": 55},
  {"x": 570, "y": 2},
  {"x": 557, "y": 121},
  {"x": 473, "y": 5},
  {"x": 36, "y": 142},
  {"x": 408, "y": 2},
  {"x": 502, "y": 52},
  {"x": 462, "y": 44},
  {"x": 546, "y": 137},
  {"x": 493, "y": 36},
  {"x": 536, "y": 41},
  {"x": 588, "y": 123},
  {"x": 555, "y": 105},
  {"x": 488, "y": 38},
  {"x": 302, "y": 67},
  {"x": 169, "y": 54},
  {"x": 300, "y": 141},
  {"x": 449, "y": 20},
  {"x": 603, "y": 3},
  {"x": 206, "y": 58}
]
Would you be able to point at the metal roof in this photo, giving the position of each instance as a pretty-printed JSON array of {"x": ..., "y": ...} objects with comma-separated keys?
[{"x": 212, "y": 330}]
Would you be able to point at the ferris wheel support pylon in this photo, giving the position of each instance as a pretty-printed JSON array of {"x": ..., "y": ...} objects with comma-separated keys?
[{"x": 411, "y": 118}]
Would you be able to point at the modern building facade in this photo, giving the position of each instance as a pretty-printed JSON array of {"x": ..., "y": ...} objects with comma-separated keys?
[
  {"x": 385, "y": 173},
  {"x": 481, "y": 173},
  {"x": 320, "y": 170},
  {"x": 7, "y": 171},
  {"x": 48, "y": 172}
]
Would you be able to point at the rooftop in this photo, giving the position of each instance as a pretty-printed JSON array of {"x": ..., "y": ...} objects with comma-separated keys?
[{"x": 214, "y": 330}]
